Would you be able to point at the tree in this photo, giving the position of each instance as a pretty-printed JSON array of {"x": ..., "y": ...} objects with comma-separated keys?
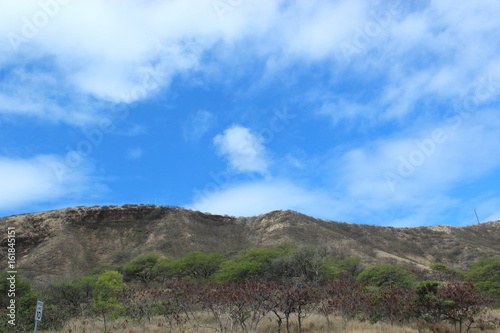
[
  {"x": 197, "y": 265},
  {"x": 106, "y": 299},
  {"x": 147, "y": 268},
  {"x": 295, "y": 298},
  {"x": 237, "y": 303},
  {"x": 139, "y": 303},
  {"x": 70, "y": 296},
  {"x": 444, "y": 273},
  {"x": 427, "y": 305},
  {"x": 383, "y": 275},
  {"x": 348, "y": 268},
  {"x": 346, "y": 298},
  {"x": 461, "y": 303},
  {"x": 314, "y": 265},
  {"x": 25, "y": 298},
  {"x": 224, "y": 304},
  {"x": 307, "y": 264},
  {"x": 286, "y": 298},
  {"x": 249, "y": 264},
  {"x": 393, "y": 303},
  {"x": 457, "y": 302},
  {"x": 485, "y": 274}
]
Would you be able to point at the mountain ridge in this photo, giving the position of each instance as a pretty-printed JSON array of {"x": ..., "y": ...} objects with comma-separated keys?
[{"x": 67, "y": 243}]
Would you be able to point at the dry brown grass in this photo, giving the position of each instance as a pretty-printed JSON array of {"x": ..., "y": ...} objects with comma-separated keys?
[{"x": 313, "y": 323}]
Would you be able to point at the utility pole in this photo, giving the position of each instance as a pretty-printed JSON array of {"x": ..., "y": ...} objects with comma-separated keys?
[{"x": 476, "y": 216}]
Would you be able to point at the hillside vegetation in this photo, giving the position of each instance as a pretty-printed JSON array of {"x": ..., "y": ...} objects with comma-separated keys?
[
  {"x": 70, "y": 243},
  {"x": 285, "y": 289},
  {"x": 149, "y": 268}
]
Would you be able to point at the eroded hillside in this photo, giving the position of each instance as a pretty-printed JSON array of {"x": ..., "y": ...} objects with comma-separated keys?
[{"x": 71, "y": 242}]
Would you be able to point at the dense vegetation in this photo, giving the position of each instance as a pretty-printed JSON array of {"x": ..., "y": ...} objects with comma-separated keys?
[{"x": 239, "y": 289}]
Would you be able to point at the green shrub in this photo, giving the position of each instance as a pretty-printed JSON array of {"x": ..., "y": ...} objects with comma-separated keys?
[
  {"x": 485, "y": 274},
  {"x": 247, "y": 264},
  {"x": 383, "y": 275},
  {"x": 25, "y": 304},
  {"x": 148, "y": 268},
  {"x": 70, "y": 295},
  {"x": 349, "y": 267},
  {"x": 197, "y": 265},
  {"x": 439, "y": 267},
  {"x": 106, "y": 302}
]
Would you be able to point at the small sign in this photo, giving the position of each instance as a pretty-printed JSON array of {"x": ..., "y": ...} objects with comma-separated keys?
[{"x": 39, "y": 310}]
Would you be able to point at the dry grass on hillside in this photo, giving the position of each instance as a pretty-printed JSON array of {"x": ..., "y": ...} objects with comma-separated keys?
[
  {"x": 76, "y": 240},
  {"x": 312, "y": 324}
]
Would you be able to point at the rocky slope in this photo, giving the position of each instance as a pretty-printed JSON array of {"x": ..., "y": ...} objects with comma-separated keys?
[{"x": 71, "y": 242}]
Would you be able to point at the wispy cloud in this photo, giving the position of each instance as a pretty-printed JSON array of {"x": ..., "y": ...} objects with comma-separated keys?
[
  {"x": 121, "y": 59},
  {"x": 41, "y": 179},
  {"x": 36, "y": 93},
  {"x": 422, "y": 169},
  {"x": 344, "y": 110},
  {"x": 197, "y": 125}
]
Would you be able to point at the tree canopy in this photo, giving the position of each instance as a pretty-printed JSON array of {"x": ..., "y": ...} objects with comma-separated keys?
[
  {"x": 383, "y": 275},
  {"x": 485, "y": 274}
]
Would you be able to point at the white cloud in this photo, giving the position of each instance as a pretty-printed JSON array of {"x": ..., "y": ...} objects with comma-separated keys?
[
  {"x": 243, "y": 149},
  {"x": 442, "y": 159},
  {"x": 446, "y": 68},
  {"x": 41, "y": 179},
  {"x": 420, "y": 170},
  {"x": 36, "y": 93},
  {"x": 321, "y": 27},
  {"x": 260, "y": 197},
  {"x": 90, "y": 54},
  {"x": 423, "y": 55},
  {"x": 132, "y": 51},
  {"x": 127, "y": 52}
]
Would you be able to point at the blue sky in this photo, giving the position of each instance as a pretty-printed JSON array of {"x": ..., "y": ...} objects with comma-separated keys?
[{"x": 378, "y": 112}]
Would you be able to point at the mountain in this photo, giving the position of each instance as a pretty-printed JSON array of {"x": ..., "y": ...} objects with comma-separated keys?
[{"x": 70, "y": 242}]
